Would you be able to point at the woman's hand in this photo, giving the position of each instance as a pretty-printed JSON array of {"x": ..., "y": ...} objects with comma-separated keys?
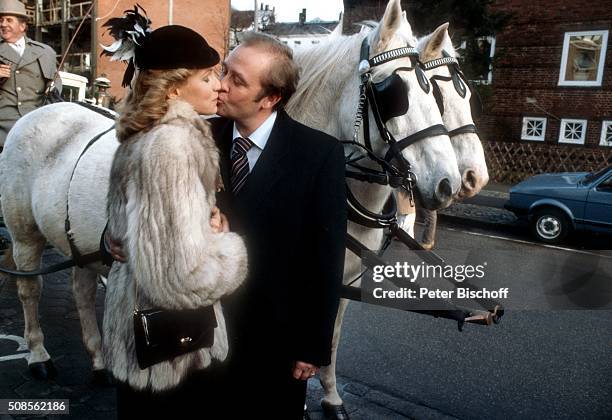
[
  {"x": 304, "y": 371},
  {"x": 116, "y": 251},
  {"x": 218, "y": 221}
]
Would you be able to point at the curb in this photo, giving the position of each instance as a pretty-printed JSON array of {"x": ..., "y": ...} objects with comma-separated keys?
[
  {"x": 478, "y": 223},
  {"x": 365, "y": 402}
]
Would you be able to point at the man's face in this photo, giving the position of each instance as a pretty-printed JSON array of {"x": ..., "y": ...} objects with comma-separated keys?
[
  {"x": 11, "y": 28},
  {"x": 241, "y": 84}
]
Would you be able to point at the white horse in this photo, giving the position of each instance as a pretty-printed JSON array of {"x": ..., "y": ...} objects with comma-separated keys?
[
  {"x": 329, "y": 87},
  {"x": 457, "y": 113},
  {"x": 43, "y": 149},
  {"x": 36, "y": 166}
]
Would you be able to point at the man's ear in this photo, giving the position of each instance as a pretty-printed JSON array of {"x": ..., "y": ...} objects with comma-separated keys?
[{"x": 269, "y": 101}]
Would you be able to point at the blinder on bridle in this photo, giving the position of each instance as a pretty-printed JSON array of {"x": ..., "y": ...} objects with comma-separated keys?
[
  {"x": 387, "y": 99},
  {"x": 461, "y": 85},
  {"x": 391, "y": 94},
  {"x": 391, "y": 97}
]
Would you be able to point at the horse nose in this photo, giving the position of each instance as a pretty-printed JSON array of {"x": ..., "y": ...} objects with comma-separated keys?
[
  {"x": 472, "y": 182},
  {"x": 444, "y": 192},
  {"x": 469, "y": 180}
]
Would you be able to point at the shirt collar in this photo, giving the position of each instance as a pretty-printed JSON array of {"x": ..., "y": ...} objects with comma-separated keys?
[
  {"x": 262, "y": 134},
  {"x": 19, "y": 43}
]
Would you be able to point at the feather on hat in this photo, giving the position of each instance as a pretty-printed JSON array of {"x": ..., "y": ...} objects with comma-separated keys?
[
  {"x": 129, "y": 31},
  {"x": 168, "y": 47}
]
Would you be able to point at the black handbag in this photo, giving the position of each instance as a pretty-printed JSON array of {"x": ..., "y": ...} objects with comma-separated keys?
[{"x": 162, "y": 334}]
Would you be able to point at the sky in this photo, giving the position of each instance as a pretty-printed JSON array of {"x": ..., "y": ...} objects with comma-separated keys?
[{"x": 289, "y": 10}]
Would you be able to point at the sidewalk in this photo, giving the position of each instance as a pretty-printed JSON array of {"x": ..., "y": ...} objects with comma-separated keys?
[
  {"x": 484, "y": 210},
  {"x": 365, "y": 403},
  {"x": 61, "y": 327},
  {"x": 87, "y": 401}
]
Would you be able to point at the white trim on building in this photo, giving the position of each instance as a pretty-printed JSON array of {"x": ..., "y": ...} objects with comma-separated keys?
[
  {"x": 606, "y": 133},
  {"x": 534, "y": 128},
  {"x": 588, "y": 56},
  {"x": 572, "y": 131}
]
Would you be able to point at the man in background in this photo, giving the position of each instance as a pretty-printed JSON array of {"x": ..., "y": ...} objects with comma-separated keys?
[{"x": 26, "y": 67}]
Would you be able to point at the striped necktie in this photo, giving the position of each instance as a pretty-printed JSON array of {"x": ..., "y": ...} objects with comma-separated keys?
[{"x": 240, "y": 163}]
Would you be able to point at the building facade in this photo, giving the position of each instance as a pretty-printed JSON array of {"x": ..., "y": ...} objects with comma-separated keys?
[
  {"x": 549, "y": 106},
  {"x": 548, "y": 91},
  {"x": 294, "y": 34},
  {"x": 55, "y": 21}
]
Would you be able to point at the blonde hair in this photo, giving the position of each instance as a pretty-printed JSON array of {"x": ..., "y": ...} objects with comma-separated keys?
[{"x": 147, "y": 102}]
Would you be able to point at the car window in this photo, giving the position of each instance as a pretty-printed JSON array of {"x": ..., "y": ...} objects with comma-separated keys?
[
  {"x": 594, "y": 175},
  {"x": 606, "y": 185}
]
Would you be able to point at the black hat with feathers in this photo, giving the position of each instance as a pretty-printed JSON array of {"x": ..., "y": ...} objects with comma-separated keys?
[{"x": 168, "y": 47}]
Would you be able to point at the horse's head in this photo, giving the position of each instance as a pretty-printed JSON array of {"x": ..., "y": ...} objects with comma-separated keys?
[
  {"x": 456, "y": 103},
  {"x": 405, "y": 101}
]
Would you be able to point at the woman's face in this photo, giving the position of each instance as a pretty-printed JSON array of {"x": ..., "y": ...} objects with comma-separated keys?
[{"x": 201, "y": 91}]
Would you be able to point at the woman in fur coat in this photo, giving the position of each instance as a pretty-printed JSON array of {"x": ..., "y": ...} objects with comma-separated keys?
[{"x": 163, "y": 182}]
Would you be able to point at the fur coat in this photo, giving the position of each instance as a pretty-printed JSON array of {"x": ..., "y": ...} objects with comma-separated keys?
[{"x": 162, "y": 189}]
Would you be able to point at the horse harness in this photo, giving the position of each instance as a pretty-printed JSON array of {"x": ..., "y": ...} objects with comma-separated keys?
[
  {"x": 77, "y": 259},
  {"x": 461, "y": 85},
  {"x": 387, "y": 99},
  {"x": 386, "y": 103}
]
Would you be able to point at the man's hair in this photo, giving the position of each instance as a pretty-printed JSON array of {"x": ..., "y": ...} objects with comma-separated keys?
[{"x": 283, "y": 75}]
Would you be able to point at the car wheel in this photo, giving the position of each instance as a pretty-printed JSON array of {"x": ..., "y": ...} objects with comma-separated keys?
[{"x": 550, "y": 225}]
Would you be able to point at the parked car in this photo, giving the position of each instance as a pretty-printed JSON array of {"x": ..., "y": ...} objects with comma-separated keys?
[{"x": 559, "y": 203}]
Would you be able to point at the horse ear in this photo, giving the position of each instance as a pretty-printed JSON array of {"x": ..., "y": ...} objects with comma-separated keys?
[
  {"x": 433, "y": 48},
  {"x": 391, "y": 22}
]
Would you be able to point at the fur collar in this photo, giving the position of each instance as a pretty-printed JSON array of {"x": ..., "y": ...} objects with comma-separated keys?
[{"x": 177, "y": 108}]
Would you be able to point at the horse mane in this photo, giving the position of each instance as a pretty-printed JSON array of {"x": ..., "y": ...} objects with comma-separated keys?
[{"x": 324, "y": 68}]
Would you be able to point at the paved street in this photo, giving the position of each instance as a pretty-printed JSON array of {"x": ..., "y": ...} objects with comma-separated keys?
[
  {"x": 539, "y": 362},
  {"x": 544, "y": 364}
]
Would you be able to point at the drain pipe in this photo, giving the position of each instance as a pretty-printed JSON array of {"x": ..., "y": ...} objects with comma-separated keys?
[{"x": 170, "y": 9}]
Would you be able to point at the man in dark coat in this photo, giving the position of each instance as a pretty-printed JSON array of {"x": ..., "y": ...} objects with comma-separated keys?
[{"x": 290, "y": 206}]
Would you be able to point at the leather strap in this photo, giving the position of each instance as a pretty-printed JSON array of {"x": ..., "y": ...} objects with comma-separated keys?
[
  {"x": 364, "y": 217},
  {"x": 396, "y": 148},
  {"x": 465, "y": 129},
  {"x": 79, "y": 258}
]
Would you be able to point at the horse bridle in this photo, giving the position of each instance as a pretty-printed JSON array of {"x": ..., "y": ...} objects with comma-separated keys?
[
  {"x": 461, "y": 85},
  {"x": 388, "y": 99}
]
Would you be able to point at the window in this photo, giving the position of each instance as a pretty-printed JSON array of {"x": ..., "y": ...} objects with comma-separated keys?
[
  {"x": 572, "y": 131},
  {"x": 297, "y": 42},
  {"x": 606, "y": 185},
  {"x": 477, "y": 59},
  {"x": 582, "y": 61},
  {"x": 315, "y": 41},
  {"x": 533, "y": 128},
  {"x": 606, "y": 134}
]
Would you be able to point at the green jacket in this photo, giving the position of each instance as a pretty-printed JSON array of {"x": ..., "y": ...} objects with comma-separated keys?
[{"x": 24, "y": 90}]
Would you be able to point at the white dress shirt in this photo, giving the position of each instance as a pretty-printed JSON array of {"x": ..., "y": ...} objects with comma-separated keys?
[
  {"x": 18, "y": 46},
  {"x": 259, "y": 138}
]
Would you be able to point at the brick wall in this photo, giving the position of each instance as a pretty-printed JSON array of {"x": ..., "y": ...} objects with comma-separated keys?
[
  {"x": 527, "y": 64},
  {"x": 208, "y": 17}
]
